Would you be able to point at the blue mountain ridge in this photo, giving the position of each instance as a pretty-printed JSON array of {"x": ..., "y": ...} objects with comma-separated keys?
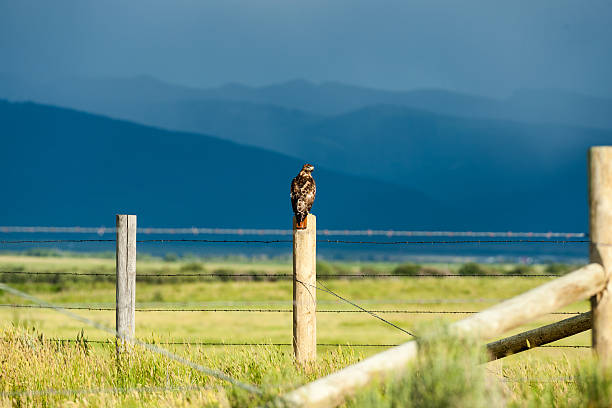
[{"x": 64, "y": 167}]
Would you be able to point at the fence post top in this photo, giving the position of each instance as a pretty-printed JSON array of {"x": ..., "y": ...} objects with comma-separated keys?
[{"x": 600, "y": 148}]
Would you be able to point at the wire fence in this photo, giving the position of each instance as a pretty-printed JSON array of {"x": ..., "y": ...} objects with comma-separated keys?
[
  {"x": 554, "y": 238},
  {"x": 319, "y": 286}
]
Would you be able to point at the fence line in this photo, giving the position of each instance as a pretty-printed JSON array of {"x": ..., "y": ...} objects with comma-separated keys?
[
  {"x": 48, "y": 241},
  {"x": 325, "y": 232},
  {"x": 204, "y": 343},
  {"x": 393, "y": 311},
  {"x": 471, "y": 241},
  {"x": 328, "y": 241},
  {"x": 288, "y": 275},
  {"x": 270, "y": 303}
]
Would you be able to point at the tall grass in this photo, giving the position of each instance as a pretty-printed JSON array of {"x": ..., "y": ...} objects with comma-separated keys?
[
  {"x": 446, "y": 373},
  {"x": 29, "y": 362}
]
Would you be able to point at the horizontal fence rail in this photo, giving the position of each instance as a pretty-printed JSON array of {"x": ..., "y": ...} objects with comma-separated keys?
[{"x": 540, "y": 336}]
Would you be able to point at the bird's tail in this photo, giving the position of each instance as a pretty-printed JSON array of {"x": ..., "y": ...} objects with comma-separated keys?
[{"x": 300, "y": 220}]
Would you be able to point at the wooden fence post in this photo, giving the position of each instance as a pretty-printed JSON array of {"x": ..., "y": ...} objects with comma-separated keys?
[
  {"x": 305, "y": 292},
  {"x": 126, "y": 278},
  {"x": 600, "y": 223}
]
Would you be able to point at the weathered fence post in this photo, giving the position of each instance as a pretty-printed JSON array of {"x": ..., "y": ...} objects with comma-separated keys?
[
  {"x": 600, "y": 223},
  {"x": 305, "y": 292},
  {"x": 126, "y": 278}
]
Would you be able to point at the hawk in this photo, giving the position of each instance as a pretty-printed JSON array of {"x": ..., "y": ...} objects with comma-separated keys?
[{"x": 303, "y": 191}]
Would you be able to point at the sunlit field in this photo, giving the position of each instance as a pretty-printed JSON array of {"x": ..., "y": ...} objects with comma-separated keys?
[{"x": 42, "y": 349}]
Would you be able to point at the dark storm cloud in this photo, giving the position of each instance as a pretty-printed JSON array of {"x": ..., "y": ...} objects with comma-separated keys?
[{"x": 476, "y": 46}]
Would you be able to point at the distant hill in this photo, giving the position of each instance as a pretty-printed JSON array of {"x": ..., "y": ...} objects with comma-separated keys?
[
  {"x": 131, "y": 98},
  {"x": 63, "y": 167},
  {"x": 332, "y": 98}
]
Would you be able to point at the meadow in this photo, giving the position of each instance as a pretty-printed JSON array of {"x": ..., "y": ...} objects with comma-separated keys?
[{"x": 41, "y": 350}]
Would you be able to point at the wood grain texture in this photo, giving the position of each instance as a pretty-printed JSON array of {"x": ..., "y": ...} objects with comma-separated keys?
[
  {"x": 125, "y": 307},
  {"x": 600, "y": 224},
  {"x": 331, "y": 390},
  {"x": 540, "y": 336},
  {"x": 304, "y": 291}
]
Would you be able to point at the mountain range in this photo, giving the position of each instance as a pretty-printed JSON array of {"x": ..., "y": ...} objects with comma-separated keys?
[
  {"x": 517, "y": 163},
  {"x": 125, "y": 97},
  {"x": 63, "y": 167}
]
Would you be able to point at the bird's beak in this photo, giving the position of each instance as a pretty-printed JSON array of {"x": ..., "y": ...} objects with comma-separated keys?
[{"x": 311, "y": 168}]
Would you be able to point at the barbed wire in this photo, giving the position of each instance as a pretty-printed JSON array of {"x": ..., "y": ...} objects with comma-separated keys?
[
  {"x": 221, "y": 343},
  {"x": 328, "y": 241},
  {"x": 262, "y": 310},
  {"x": 567, "y": 346},
  {"x": 289, "y": 275},
  {"x": 215, "y": 343},
  {"x": 273, "y": 303},
  {"x": 49, "y": 241},
  {"x": 471, "y": 241},
  {"x": 251, "y": 231}
]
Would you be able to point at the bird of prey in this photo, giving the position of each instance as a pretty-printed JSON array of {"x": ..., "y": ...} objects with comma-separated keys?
[{"x": 303, "y": 191}]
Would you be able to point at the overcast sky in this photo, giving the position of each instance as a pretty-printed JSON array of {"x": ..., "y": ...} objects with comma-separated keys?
[{"x": 483, "y": 47}]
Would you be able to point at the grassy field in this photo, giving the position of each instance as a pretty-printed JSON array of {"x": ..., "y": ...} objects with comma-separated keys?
[{"x": 31, "y": 360}]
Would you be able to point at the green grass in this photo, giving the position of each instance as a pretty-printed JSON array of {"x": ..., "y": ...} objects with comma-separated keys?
[{"x": 29, "y": 360}]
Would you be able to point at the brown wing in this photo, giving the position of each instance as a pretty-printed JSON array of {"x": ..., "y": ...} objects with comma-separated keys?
[
  {"x": 295, "y": 193},
  {"x": 303, "y": 191},
  {"x": 310, "y": 192}
]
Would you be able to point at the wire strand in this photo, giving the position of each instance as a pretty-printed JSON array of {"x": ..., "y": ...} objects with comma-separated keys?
[
  {"x": 251, "y": 231},
  {"x": 262, "y": 310},
  {"x": 470, "y": 241},
  {"x": 329, "y": 241},
  {"x": 221, "y": 343},
  {"x": 290, "y": 275},
  {"x": 325, "y": 289}
]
